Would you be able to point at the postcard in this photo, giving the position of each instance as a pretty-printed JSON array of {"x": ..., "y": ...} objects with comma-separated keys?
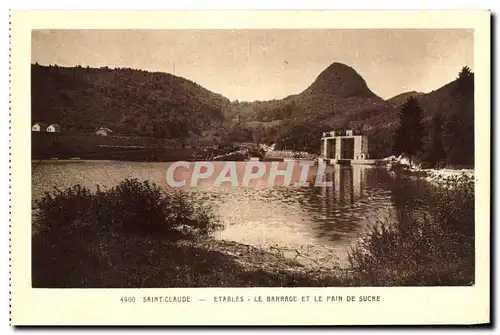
[{"x": 250, "y": 167}]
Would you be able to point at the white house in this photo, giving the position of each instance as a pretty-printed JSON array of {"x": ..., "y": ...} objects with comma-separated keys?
[
  {"x": 54, "y": 128},
  {"x": 103, "y": 131},
  {"x": 39, "y": 126}
]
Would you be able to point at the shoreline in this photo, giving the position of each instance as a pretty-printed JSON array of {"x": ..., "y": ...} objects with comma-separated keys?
[
  {"x": 259, "y": 259},
  {"x": 247, "y": 255},
  {"x": 183, "y": 263},
  {"x": 439, "y": 177}
]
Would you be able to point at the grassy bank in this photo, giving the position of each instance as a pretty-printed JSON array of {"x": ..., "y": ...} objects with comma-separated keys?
[
  {"x": 134, "y": 235},
  {"x": 130, "y": 262}
]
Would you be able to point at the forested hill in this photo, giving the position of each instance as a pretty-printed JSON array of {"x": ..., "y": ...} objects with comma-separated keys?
[
  {"x": 335, "y": 95},
  {"x": 134, "y": 102},
  {"x": 338, "y": 98},
  {"x": 126, "y": 100},
  {"x": 451, "y": 104}
]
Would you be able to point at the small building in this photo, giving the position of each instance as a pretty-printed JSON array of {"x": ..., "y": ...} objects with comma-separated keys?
[
  {"x": 39, "y": 126},
  {"x": 54, "y": 128},
  {"x": 103, "y": 131}
]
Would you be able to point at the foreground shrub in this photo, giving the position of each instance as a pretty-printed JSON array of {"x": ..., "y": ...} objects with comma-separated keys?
[
  {"x": 132, "y": 206},
  {"x": 108, "y": 238},
  {"x": 424, "y": 255},
  {"x": 63, "y": 210},
  {"x": 433, "y": 248}
]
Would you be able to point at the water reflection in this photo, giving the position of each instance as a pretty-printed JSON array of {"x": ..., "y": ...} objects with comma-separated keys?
[
  {"x": 322, "y": 217},
  {"x": 357, "y": 197}
]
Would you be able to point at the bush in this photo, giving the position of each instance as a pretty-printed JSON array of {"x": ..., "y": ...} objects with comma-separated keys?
[
  {"x": 62, "y": 210},
  {"x": 110, "y": 236},
  {"x": 132, "y": 206},
  {"x": 433, "y": 249}
]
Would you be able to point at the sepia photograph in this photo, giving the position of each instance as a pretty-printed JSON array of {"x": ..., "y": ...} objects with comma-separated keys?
[
  {"x": 250, "y": 168},
  {"x": 383, "y": 120}
]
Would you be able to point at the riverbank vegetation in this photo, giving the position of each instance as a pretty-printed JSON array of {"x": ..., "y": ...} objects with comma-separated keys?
[
  {"x": 432, "y": 246},
  {"x": 135, "y": 235}
]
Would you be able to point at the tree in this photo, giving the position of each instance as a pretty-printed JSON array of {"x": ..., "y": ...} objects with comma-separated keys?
[
  {"x": 434, "y": 148},
  {"x": 408, "y": 136},
  {"x": 465, "y": 72},
  {"x": 458, "y": 134},
  {"x": 465, "y": 81},
  {"x": 458, "y": 128}
]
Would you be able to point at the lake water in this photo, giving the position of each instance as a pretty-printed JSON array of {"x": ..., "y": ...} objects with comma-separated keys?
[{"x": 307, "y": 223}]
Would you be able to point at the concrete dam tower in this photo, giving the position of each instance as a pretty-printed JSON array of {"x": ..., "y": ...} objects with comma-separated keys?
[{"x": 343, "y": 147}]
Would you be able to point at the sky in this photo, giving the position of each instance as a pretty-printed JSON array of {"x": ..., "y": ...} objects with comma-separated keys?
[{"x": 248, "y": 65}]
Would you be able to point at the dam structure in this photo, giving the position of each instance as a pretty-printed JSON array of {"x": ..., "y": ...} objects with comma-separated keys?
[{"x": 344, "y": 147}]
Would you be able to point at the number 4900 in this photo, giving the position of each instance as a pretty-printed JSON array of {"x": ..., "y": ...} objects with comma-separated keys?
[{"x": 127, "y": 299}]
